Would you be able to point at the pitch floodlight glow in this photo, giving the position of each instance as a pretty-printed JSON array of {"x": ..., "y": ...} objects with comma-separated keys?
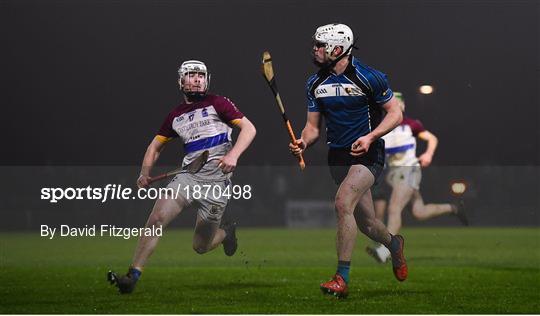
[
  {"x": 426, "y": 89},
  {"x": 458, "y": 188}
]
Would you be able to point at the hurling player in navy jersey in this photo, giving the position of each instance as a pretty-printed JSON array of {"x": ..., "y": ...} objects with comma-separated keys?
[
  {"x": 353, "y": 99},
  {"x": 203, "y": 122}
]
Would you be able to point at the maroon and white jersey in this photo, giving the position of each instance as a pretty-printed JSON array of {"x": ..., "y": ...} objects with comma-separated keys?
[
  {"x": 202, "y": 125},
  {"x": 400, "y": 143}
]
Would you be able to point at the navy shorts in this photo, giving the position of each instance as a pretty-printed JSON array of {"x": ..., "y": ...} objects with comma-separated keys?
[{"x": 340, "y": 159}]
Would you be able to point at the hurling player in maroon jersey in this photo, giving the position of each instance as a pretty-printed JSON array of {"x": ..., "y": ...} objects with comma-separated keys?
[
  {"x": 403, "y": 178},
  {"x": 203, "y": 122}
]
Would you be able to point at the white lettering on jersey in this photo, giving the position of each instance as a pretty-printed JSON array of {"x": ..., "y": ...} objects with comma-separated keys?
[
  {"x": 338, "y": 89},
  {"x": 200, "y": 123}
]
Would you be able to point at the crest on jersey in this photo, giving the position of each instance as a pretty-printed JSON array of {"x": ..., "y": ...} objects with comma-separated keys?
[{"x": 354, "y": 91}]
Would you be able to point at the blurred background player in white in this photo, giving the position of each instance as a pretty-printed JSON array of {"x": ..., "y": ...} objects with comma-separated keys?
[
  {"x": 403, "y": 176},
  {"x": 202, "y": 122},
  {"x": 352, "y": 98}
]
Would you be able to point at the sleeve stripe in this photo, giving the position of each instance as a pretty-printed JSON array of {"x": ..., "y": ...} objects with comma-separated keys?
[
  {"x": 235, "y": 121},
  {"x": 162, "y": 139}
]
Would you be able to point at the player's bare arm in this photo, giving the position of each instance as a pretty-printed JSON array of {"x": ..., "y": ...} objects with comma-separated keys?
[
  {"x": 432, "y": 142},
  {"x": 247, "y": 132},
  {"x": 310, "y": 134},
  {"x": 393, "y": 118},
  {"x": 150, "y": 158}
]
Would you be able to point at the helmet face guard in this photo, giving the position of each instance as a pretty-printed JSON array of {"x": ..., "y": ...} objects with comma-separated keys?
[
  {"x": 193, "y": 66},
  {"x": 331, "y": 36}
]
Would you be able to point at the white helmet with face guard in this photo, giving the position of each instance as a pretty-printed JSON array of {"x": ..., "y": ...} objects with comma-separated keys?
[
  {"x": 333, "y": 35},
  {"x": 193, "y": 66}
]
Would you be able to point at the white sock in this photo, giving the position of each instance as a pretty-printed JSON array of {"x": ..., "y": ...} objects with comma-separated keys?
[{"x": 383, "y": 252}]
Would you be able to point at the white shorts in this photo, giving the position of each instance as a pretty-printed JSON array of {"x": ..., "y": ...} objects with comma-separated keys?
[
  {"x": 411, "y": 176},
  {"x": 209, "y": 195}
]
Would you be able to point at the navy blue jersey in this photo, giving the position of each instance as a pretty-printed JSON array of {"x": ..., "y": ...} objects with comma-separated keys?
[{"x": 351, "y": 103}]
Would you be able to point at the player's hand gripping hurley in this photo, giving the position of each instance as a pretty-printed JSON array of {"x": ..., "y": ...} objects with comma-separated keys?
[
  {"x": 193, "y": 167},
  {"x": 268, "y": 73}
]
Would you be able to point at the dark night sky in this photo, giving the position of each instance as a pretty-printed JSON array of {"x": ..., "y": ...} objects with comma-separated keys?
[{"x": 89, "y": 82}]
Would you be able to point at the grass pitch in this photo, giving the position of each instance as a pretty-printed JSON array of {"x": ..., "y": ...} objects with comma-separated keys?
[{"x": 462, "y": 270}]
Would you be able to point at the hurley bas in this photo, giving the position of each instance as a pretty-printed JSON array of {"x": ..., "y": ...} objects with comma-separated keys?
[{"x": 101, "y": 231}]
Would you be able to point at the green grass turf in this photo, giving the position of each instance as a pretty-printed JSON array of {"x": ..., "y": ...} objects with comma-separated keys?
[{"x": 451, "y": 270}]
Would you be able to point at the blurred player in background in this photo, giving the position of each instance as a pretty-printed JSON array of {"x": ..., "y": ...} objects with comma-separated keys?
[
  {"x": 352, "y": 98},
  {"x": 402, "y": 180},
  {"x": 202, "y": 122}
]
